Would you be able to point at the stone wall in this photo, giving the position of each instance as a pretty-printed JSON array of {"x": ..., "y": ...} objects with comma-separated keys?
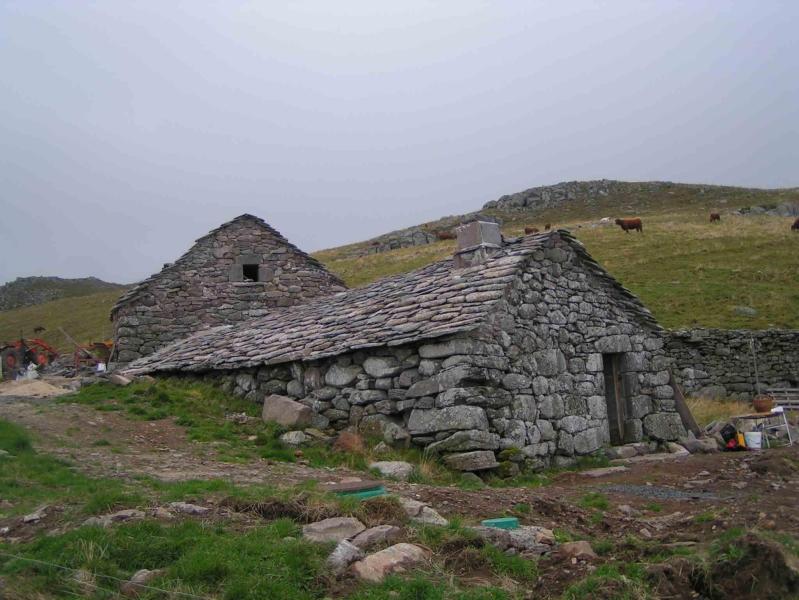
[
  {"x": 530, "y": 378},
  {"x": 205, "y": 287},
  {"x": 718, "y": 363}
]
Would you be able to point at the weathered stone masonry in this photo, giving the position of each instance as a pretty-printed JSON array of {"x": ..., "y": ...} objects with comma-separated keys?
[
  {"x": 718, "y": 363},
  {"x": 504, "y": 354},
  {"x": 207, "y": 287}
]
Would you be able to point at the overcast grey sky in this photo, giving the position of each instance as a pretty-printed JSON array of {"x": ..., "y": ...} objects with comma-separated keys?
[{"x": 129, "y": 129}]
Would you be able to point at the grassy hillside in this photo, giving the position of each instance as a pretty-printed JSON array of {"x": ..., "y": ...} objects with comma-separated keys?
[
  {"x": 687, "y": 271},
  {"x": 84, "y": 318}
]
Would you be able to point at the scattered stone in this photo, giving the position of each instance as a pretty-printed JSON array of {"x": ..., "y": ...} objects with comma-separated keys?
[
  {"x": 395, "y": 469},
  {"x": 240, "y": 418},
  {"x": 189, "y": 509},
  {"x": 581, "y": 550},
  {"x": 675, "y": 448},
  {"x": 645, "y": 533},
  {"x": 117, "y": 517},
  {"x": 746, "y": 311},
  {"x": 593, "y": 473},
  {"x": 334, "y": 529},
  {"x": 120, "y": 380},
  {"x": 294, "y": 438},
  {"x": 375, "y": 536},
  {"x": 343, "y": 556},
  {"x": 159, "y": 512},
  {"x": 394, "y": 559},
  {"x": 4, "y": 453},
  {"x": 133, "y": 587},
  {"x": 36, "y": 516},
  {"x": 477, "y": 460},
  {"x": 628, "y": 510},
  {"x": 706, "y": 445},
  {"x": 421, "y": 512},
  {"x": 314, "y": 433},
  {"x": 620, "y": 452}
]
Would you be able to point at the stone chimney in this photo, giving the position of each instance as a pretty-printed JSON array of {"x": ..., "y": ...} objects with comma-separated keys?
[{"x": 476, "y": 242}]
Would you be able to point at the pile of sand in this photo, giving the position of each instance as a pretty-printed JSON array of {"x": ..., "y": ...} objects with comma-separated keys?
[{"x": 31, "y": 388}]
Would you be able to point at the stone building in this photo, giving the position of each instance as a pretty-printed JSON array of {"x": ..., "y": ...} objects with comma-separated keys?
[
  {"x": 240, "y": 270},
  {"x": 524, "y": 343}
]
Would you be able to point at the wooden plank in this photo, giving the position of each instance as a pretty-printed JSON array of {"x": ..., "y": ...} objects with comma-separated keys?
[{"x": 682, "y": 407}]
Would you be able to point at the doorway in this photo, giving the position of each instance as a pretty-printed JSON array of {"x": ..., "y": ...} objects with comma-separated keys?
[{"x": 614, "y": 397}]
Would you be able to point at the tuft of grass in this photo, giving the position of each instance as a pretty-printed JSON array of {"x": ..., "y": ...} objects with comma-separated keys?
[
  {"x": 513, "y": 566},
  {"x": 610, "y": 581},
  {"x": 595, "y": 500}
]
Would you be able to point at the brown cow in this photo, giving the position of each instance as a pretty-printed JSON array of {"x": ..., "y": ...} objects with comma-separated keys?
[
  {"x": 628, "y": 224},
  {"x": 529, "y": 230},
  {"x": 715, "y": 217},
  {"x": 548, "y": 226},
  {"x": 795, "y": 226},
  {"x": 445, "y": 235}
]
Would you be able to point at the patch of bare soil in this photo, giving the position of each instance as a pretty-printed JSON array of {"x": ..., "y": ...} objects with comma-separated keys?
[{"x": 109, "y": 444}]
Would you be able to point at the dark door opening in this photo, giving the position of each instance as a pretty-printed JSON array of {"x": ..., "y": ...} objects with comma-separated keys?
[
  {"x": 250, "y": 272},
  {"x": 614, "y": 396}
]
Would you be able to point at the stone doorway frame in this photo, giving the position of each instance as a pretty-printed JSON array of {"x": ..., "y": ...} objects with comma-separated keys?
[{"x": 614, "y": 396}]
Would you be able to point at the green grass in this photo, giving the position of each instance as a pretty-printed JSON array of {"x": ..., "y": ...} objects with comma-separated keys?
[
  {"x": 595, "y": 500},
  {"x": 612, "y": 582},
  {"x": 30, "y": 479}
]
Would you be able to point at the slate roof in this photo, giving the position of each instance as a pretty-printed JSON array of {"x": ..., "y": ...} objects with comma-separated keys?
[
  {"x": 433, "y": 301},
  {"x": 137, "y": 290}
]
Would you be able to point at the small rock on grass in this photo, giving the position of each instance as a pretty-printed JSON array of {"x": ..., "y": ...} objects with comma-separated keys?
[
  {"x": 122, "y": 515},
  {"x": 294, "y": 438},
  {"x": 394, "y": 559},
  {"x": 36, "y": 516},
  {"x": 189, "y": 509},
  {"x": 377, "y": 535},
  {"x": 396, "y": 469},
  {"x": 581, "y": 550},
  {"x": 334, "y": 529},
  {"x": 344, "y": 554},
  {"x": 140, "y": 578},
  {"x": 421, "y": 512}
]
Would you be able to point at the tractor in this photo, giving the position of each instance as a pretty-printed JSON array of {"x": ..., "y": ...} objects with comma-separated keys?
[{"x": 17, "y": 355}]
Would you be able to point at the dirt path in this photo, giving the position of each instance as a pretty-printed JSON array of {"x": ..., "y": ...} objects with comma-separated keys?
[
  {"x": 723, "y": 490},
  {"x": 110, "y": 445}
]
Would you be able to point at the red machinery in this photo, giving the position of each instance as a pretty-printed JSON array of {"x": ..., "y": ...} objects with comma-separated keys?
[{"x": 17, "y": 355}]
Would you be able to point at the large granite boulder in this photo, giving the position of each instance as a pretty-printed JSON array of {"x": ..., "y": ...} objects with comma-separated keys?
[{"x": 286, "y": 412}]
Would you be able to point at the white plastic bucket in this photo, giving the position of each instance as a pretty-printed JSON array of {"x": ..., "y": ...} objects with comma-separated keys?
[{"x": 753, "y": 439}]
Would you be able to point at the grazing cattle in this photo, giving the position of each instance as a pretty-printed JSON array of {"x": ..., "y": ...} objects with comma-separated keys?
[
  {"x": 795, "y": 226},
  {"x": 548, "y": 226},
  {"x": 628, "y": 224},
  {"x": 529, "y": 230},
  {"x": 445, "y": 235},
  {"x": 715, "y": 217}
]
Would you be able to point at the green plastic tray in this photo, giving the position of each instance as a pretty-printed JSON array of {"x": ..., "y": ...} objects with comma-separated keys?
[
  {"x": 364, "y": 494},
  {"x": 502, "y": 523}
]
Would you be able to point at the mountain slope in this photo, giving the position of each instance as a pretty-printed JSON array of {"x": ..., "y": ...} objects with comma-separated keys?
[{"x": 29, "y": 291}]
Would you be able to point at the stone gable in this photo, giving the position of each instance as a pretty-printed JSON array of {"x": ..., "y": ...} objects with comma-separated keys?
[{"x": 240, "y": 270}]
